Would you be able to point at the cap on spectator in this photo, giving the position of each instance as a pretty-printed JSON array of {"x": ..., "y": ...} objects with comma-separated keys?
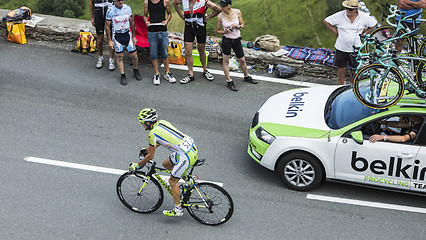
[{"x": 224, "y": 3}]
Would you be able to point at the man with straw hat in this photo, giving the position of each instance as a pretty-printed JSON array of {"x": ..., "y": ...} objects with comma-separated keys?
[{"x": 347, "y": 25}]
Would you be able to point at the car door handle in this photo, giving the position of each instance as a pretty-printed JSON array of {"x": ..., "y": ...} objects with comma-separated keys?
[{"x": 404, "y": 155}]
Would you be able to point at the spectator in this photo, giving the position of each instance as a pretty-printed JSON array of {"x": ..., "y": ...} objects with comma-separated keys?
[
  {"x": 410, "y": 8},
  {"x": 414, "y": 124},
  {"x": 232, "y": 21},
  {"x": 350, "y": 24},
  {"x": 123, "y": 34},
  {"x": 195, "y": 27},
  {"x": 158, "y": 37},
  {"x": 98, "y": 9}
]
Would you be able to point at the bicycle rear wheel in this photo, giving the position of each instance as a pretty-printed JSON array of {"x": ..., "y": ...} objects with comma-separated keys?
[
  {"x": 384, "y": 33},
  {"x": 378, "y": 87},
  {"x": 130, "y": 194},
  {"x": 209, "y": 204}
]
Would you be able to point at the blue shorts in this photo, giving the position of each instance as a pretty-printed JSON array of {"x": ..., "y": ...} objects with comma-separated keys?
[
  {"x": 158, "y": 42},
  {"x": 123, "y": 39}
]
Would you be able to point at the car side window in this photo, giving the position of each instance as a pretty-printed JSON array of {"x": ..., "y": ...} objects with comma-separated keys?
[{"x": 405, "y": 129}]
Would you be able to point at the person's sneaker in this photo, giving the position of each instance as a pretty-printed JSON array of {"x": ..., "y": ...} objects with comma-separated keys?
[
  {"x": 175, "y": 212},
  {"x": 169, "y": 77},
  {"x": 111, "y": 65},
  {"x": 137, "y": 74},
  {"x": 250, "y": 80},
  {"x": 123, "y": 79},
  {"x": 208, "y": 75},
  {"x": 156, "y": 80},
  {"x": 99, "y": 63},
  {"x": 187, "y": 79},
  {"x": 231, "y": 85}
]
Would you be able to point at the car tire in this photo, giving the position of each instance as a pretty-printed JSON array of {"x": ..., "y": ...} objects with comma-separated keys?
[{"x": 300, "y": 171}]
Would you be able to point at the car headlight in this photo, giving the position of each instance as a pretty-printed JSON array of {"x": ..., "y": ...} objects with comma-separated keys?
[{"x": 264, "y": 136}]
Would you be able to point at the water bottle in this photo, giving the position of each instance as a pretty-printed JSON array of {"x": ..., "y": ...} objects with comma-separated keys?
[{"x": 271, "y": 68}]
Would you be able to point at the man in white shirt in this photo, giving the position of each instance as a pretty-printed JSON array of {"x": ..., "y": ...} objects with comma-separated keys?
[{"x": 347, "y": 25}]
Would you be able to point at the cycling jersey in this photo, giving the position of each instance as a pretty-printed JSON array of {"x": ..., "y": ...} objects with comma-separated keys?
[
  {"x": 120, "y": 18},
  {"x": 99, "y": 14},
  {"x": 198, "y": 12},
  {"x": 184, "y": 150}
]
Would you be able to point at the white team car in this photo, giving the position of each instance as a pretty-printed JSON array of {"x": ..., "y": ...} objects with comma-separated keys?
[{"x": 311, "y": 134}]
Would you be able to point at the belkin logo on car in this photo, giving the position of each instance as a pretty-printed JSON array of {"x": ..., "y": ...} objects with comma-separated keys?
[
  {"x": 396, "y": 168},
  {"x": 296, "y": 104}
]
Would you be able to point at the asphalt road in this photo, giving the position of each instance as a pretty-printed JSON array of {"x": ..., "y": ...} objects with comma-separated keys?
[{"x": 56, "y": 105}]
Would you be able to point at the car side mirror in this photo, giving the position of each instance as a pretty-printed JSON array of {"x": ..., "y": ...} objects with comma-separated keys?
[{"x": 357, "y": 137}]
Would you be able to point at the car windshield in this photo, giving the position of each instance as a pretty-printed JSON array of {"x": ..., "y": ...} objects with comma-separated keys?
[{"x": 343, "y": 108}]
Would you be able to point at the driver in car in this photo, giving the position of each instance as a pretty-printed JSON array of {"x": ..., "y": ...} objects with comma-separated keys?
[{"x": 413, "y": 124}]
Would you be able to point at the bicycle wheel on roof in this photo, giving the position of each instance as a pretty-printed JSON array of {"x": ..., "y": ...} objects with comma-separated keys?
[
  {"x": 384, "y": 33},
  {"x": 377, "y": 86}
]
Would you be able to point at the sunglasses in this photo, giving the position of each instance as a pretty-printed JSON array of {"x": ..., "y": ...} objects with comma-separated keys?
[{"x": 351, "y": 9}]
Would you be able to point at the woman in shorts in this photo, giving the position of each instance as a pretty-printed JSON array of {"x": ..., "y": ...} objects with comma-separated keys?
[{"x": 232, "y": 22}]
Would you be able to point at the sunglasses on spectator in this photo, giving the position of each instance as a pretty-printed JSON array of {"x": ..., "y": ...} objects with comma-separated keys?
[{"x": 351, "y": 9}]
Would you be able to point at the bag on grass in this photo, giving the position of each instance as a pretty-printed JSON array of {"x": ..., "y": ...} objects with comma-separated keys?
[
  {"x": 267, "y": 42},
  {"x": 16, "y": 32},
  {"x": 86, "y": 43},
  {"x": 284, "y": 71}
]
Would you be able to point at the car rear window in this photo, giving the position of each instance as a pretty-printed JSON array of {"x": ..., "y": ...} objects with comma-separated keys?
[{"x": 344, "y": 108}]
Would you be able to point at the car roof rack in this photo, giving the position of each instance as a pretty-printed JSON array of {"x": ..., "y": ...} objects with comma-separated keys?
[{"x": 416, "y": 102}]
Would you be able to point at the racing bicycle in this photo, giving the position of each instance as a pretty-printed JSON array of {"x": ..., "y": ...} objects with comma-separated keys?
[
  {"x": 206, "y": 202},
  {"x": 389, "y": 34},
  {"x": 381, "y": 84}
]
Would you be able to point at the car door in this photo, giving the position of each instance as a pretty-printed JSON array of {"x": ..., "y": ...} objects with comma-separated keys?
[{"x": 383, "y": 164}]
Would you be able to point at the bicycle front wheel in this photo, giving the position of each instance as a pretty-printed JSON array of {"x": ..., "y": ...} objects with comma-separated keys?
[
  {"x": 421, "y": 75},
  {"x": 209, "y": 204},
  {"x": 138, "y": 194},
  {"x": 377, "y": 86}
]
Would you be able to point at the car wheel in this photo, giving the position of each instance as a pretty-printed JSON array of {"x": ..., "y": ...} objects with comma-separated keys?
[{"x": 300, "y": 171}]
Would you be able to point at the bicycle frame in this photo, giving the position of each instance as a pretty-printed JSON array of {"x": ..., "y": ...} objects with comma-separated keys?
[
  {"x": 390, "y": 61},
  {"x": 189, "y": 181}
]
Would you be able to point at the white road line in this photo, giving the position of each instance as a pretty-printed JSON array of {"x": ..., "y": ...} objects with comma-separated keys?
[
  {"x": 90, "y": 168},
  {"x": 240, "y": 75},
  {"x": 367, "y": 203}
]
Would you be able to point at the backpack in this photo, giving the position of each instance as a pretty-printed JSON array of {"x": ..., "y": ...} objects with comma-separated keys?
[
  {"x": 86, "y": 43},
  {"x": 284, "y": 71},
  {"x": 267, "y": 42},
  {"x": 18, "y": 15}
]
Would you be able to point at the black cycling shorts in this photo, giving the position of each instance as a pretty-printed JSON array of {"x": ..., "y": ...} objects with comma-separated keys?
[
  {"x": 199, "y": 32},
  {"x": 99, "y": 15},
  {"x": 235, "y": 44}
]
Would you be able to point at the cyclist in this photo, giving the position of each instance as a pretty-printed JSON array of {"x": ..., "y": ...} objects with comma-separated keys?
[
  {"x": 123, "y": 34},
  {"x": 184, "y": 154}
]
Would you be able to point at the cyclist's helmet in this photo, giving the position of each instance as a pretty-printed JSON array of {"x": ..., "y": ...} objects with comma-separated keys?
[{"x": 147, "y": 115}]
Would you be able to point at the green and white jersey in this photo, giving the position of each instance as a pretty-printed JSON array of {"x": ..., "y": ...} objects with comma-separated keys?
[{"x": 165, "y": 134}]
